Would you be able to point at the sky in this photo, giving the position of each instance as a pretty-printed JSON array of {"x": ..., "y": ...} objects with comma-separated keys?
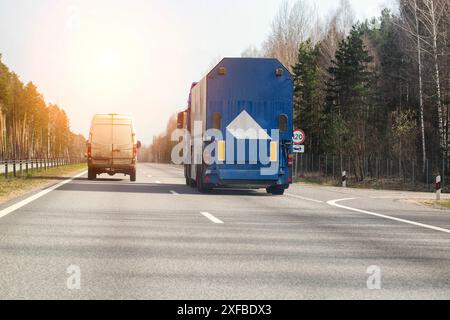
[{"x": 137, "y": 57}]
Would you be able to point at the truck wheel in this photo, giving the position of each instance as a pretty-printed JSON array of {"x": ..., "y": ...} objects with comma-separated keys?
[
  {"x": 275, "y": 190},
  {"x": 201, "y": 186},
  {"x": 192, "y": 183},
  {"x": 91, "y": 174},
  {"x": 186, "y": 176},
  {"x": 133, "y": 176}
]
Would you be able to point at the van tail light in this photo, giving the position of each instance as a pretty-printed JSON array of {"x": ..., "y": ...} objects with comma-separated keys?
[
  {"x": 290, "y": 160},
  {"x": 134, "y": 151},
  {"x": 89, "y": 150}
]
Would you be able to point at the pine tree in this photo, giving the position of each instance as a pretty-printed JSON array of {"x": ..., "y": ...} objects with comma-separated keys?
[
  {"x": 308, "y": 102},
  {"x": 350, "y": 102},
  {"x": 398, "y": 105}
]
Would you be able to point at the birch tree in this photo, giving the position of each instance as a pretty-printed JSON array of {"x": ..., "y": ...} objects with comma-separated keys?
[
  {"x": 344, "y": 17},
  {"x": 428, "y": 30},
  {"x": 292, "y": 25},
  {"x": 412, "y": 27},
  {"x": 431, "y": 15}
]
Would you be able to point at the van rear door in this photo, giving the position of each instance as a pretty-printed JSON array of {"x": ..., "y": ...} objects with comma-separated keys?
[
  {"x": 101, "y": 143},
  {"x": 122, "y": 143}
]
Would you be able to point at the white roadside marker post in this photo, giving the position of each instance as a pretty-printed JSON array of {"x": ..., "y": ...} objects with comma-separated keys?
[
  {"x": 344, "y": 179},
  {"x": 438, "y": 188}
]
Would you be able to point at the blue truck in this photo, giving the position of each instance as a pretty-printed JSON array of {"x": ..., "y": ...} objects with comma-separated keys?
[{"x": 247, "y": 104}]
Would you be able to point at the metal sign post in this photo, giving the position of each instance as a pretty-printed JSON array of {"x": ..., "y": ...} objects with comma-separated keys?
[
  {"x": 298, "y": 139},
  {"x": 296, "y": 165}
]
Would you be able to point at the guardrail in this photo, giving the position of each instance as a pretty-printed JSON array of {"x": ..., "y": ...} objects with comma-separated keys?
[{"x": 14, "y": 168}]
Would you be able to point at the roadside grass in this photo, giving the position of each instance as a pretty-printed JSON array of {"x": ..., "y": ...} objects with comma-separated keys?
[
  {"x": 23, "y": 183},
  {"x": 377, "y": 184},
  {"x": 317, "y": 181},
  {"x": 441, "y": 204}
]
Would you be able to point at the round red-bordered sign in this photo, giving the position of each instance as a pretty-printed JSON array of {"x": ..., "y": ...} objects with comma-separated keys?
[{"x": 298, "y": 137}]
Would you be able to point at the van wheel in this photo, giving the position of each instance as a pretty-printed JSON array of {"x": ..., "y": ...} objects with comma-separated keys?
[
  {"x": 275, "y": 190},
  {"x": 133, "y": 176},
  {"x": 91, "y": 174}
]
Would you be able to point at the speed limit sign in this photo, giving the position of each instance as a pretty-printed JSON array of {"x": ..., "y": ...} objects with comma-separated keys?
[{"x": 299, "y": 137}]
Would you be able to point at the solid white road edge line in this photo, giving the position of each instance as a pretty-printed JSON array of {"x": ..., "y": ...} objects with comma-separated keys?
[
  {"x": 30, "y": 199},
  {"x": 211, "y": 217},
  {"x": 303, "y": 198},
  {"x": 427, "y": 226}
]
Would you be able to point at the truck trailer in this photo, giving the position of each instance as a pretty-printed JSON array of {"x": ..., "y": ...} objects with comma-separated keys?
[{"x": 247, "y": 105}]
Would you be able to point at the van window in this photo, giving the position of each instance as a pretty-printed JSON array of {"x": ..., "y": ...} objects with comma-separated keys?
[
  {"x": 101, "y": 134},
  {"x": 283, "y": 122},
  {"x": 122, "y": 134},
  {"x": 217, "y": 120}
]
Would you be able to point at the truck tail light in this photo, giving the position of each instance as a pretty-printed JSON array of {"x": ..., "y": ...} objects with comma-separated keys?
[
  {"x": 89, "y": 150},
  {"x": 221, "y": 151},
  {"x": 273, "y": 151},
  {"x": 290, "y": 160},
  {"x": 222, "y": 71}
]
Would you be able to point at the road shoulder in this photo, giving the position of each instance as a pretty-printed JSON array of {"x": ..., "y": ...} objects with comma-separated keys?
[
  {"x": 14, "y": 188},
  {"x": 436, "y": 204}
]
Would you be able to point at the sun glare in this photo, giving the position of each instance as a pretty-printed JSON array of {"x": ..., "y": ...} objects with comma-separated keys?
[{"x": 106, "y": 58}]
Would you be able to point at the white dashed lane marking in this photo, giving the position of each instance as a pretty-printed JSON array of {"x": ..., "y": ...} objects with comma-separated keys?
[{"x": 211, "y": 217}]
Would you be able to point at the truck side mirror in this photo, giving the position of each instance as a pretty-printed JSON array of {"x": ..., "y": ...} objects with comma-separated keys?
[
  {"x": 180, "y": 120},
  {"x": 139, "y": 144}
]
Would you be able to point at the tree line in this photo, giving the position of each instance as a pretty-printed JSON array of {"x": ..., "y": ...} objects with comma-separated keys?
[
  {"x": 370, "y": 89},
  {"x": 160, "y": 149},
  {"x": 29, "y": 127},
  {"x": 373, "y": 89}
]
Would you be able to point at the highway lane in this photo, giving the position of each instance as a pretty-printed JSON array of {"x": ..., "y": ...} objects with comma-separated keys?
[{"x": 158, "y": 239}]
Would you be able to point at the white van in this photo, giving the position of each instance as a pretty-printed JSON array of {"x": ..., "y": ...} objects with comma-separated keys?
[{"x": 112, "y": 146}]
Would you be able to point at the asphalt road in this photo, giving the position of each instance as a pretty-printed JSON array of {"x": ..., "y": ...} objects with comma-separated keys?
[{"x": 158, "y": 239}]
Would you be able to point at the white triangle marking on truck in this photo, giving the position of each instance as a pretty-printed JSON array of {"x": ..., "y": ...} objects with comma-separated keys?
[{"x": 245, "y": 127}]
